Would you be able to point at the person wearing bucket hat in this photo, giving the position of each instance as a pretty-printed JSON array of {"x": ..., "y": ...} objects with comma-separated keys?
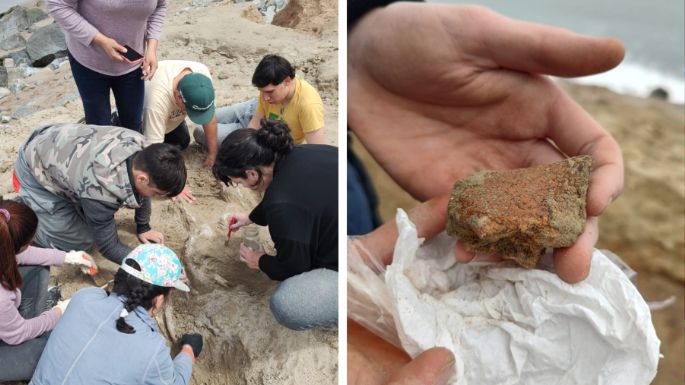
[{"x": 101, "y": 328}]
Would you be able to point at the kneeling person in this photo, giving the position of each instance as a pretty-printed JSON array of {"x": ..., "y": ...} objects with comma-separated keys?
[
  {"x": 300, "y": 206},
  {"x": 75, "y": 177}
]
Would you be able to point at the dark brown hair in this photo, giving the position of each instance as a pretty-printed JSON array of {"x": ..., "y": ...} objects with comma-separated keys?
[
  {"x": 15, "y": 233},
  {"x": 247, "y": 149},
  {"x": 136, "y": 292}
]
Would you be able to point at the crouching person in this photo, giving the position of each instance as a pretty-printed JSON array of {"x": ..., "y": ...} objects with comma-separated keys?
[
  {"x": 26, "y": 316},
  {"x": 112, "y": 338},
  {"x": 75, "y": 177},
  {"x": 300, "y": 206}
]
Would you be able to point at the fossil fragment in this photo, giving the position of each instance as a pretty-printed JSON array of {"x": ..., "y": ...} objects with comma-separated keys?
[{"x": 517, "y": 213}]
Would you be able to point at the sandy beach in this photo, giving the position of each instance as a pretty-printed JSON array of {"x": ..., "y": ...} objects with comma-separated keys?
[
  {"x": 228, "y": 302},
  {"x": 645, "y": 226}
]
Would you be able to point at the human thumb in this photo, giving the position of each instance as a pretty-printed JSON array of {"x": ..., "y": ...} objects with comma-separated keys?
[
  {"x": 429, "y": 218},
  {"x": 433, "y": 367}
]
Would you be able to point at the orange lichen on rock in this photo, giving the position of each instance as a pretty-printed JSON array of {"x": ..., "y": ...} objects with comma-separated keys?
[{"x": 517, "y": 213}]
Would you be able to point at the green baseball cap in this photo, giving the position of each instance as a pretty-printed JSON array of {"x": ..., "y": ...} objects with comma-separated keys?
[{"x": 198, "y": 96}]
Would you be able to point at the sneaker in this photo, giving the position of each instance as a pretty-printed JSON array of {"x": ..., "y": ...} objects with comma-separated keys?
[{"x": 54, "y": 296}]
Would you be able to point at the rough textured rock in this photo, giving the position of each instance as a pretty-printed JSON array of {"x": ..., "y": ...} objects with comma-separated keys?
[
  {"x": 518, "y": 213},
  {"x": 13, "y": 42},
  {"x": 45, "y": 44},
  {"x": 19, "y": 56},
  {"x": 35, "y": 14},
  {"x": 13, "y": 21}
]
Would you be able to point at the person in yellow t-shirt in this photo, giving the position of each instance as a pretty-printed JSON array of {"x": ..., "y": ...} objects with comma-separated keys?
[{"x": 282, "y": 96}]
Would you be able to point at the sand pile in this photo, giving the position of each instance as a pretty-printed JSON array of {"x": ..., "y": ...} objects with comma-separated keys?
[{"x": 228, "y": 303}]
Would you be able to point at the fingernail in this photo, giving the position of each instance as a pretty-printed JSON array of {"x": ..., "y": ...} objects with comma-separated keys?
[{"x": 446, "y": 372}]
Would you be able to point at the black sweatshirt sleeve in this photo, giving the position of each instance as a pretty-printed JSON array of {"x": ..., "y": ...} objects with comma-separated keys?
[
  {"x": 142, "y": 216},
  {"x": 291, "y": 228},
  {"x": 100, "y": 217}
]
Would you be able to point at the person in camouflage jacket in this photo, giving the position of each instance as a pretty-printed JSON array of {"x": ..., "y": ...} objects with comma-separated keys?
[{"x": 75, "y": 177}]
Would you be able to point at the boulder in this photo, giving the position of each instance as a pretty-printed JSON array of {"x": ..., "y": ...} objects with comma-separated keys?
[
  {"x": 659, "y": 93},
  {"x": 45, "y": 45},
  {"x": 20, "y": 57},
  {"x": 35, "y": 14},
  {"x": 13, "y": 21},
  {"x": 518, "y": 213},
  {"x": 13, "y": 42}
]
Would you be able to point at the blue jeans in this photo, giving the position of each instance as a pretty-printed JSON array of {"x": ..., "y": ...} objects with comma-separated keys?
[
  {"x": 19, "y": 361},
  {"x": 308, "y": 300},
  {"x": 94, "y": 87},
  {"x": 362, "y": 202},
  {"x": 229, "y": 119}
]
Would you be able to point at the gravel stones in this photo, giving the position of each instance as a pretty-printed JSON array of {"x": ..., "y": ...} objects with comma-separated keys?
[{"x": 517, "y": 213}]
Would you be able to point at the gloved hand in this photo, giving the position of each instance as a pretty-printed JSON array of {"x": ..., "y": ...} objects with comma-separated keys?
[
  {"x": 82, "y": 259},
  {"x": 194, "y": 340},
  {"x": 62, "y": 305}
]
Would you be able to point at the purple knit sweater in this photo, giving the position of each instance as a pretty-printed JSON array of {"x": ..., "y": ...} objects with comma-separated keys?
[
  {"x": 14, "y": 329},
  {"x": 128, "y": 22}
]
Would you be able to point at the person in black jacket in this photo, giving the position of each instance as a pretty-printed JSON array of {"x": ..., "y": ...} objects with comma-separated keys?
[{"x": 300, "y": 206}]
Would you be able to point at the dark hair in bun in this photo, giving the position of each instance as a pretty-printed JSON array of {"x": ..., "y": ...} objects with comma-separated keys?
[{"x": 248, "y": 149}]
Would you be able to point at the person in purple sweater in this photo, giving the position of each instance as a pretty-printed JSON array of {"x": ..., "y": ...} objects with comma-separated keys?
[
  {"x": 96, "y": 32},
  {"x": 24, "y": 320}
]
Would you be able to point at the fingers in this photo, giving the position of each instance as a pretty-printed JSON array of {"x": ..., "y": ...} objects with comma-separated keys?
[
  {"x": 572, "y": 264},
  {"x": 541, "y": 49},
  {"x": 429, "y": 217},
  {"x": 577, "y": 133},
  {"x": 432, "y": 367},
  {"x": 464, "y": 256}
]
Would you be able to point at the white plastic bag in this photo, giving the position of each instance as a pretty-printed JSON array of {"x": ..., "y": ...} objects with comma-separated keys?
[{"x": 505, "y": 325}]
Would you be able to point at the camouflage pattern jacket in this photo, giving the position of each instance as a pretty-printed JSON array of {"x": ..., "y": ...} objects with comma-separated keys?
[{"x": 87, "y": 164}]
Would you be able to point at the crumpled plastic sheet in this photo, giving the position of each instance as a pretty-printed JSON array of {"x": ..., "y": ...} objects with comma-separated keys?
[{"x": 504, "y": 324}]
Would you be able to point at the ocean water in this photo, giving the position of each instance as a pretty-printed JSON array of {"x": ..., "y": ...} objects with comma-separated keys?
[{"x": 653, "y": 32}]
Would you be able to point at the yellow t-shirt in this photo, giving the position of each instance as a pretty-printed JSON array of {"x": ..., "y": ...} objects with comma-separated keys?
[
  {"x": 303, "y": 114},
  {"x": 161, "y": 115}
]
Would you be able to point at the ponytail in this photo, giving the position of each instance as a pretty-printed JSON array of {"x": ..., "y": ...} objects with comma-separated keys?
[
  {"x": 18, "y": 225},
  {"x": 248, "y": 149},
  {"x": 136, "y": 292}
]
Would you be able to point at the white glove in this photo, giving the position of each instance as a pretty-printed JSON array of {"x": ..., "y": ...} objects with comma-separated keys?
[
  {"x": 62, "y": 305},
  {"x": 82, "y": 259}
]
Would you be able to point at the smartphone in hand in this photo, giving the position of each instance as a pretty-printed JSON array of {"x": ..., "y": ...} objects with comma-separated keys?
[{"x": 131, "y": 55}]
